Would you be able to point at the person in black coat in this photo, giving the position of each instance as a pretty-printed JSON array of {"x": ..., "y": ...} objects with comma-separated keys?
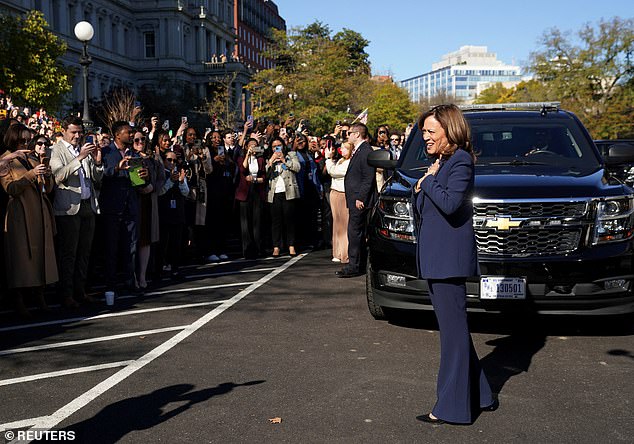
[
  {"x": 171, "y": 205},
  {"x": 446, "y": 256},
  {"x": 119, "y": 205},
  {"x": 361, "y": 194}
]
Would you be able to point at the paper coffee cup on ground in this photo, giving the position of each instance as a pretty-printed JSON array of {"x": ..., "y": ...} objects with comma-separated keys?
[{"x": 109, "y": 297}]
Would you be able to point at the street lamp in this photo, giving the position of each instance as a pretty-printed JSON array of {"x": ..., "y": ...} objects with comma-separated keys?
[{"x": 84, "y": 32}]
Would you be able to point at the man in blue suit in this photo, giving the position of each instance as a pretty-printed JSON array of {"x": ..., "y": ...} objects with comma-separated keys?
[
  {"x": 360, "y": 188},
  {"x": 446, "y": 256},
  {"x": 119, "y": 205}
]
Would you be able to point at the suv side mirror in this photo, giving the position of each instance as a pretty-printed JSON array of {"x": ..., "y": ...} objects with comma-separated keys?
[
  {"x": 382, "y": 159},
  {"x": 620, "y": 153}
]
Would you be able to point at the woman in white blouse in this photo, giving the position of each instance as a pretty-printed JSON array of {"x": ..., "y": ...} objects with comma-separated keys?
[{"x": 337, "y": 170}]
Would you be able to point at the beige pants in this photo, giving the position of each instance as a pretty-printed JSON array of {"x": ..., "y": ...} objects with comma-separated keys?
[{"x": 339, "y": 225}]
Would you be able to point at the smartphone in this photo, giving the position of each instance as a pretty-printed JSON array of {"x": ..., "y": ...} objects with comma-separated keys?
[
  {"x": 90, "y": 139},
  {"x": 137, "y": 104},
  {"x": 45, "y": 161},
  {"x": 250, "y": 119},
  {"x": 184, "y": 119},
  {"x": 282, "y": 132},
  {"x": 344, "y": 134}
]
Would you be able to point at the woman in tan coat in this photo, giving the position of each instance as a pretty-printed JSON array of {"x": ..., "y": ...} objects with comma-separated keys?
[
  {"x": 337, "y": 170},
  {"x": 29, "y": 225}
]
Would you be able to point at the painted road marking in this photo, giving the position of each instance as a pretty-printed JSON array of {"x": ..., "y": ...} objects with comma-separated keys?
[
  {"x": 110, "y": 315},
  {"x": 90, "y": 340},
  {"x": 70, "y": 371},
  {"x": 48, "y": 422}
]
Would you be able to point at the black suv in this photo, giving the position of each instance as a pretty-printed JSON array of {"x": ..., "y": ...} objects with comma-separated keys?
[{"x": 554, "y": 229}]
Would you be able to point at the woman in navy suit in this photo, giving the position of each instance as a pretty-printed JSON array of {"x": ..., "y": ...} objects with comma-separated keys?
[{"x": 446, "y": 256}]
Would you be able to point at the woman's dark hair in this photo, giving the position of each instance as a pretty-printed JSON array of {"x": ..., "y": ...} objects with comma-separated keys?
[
  {"x": 13, "y": 135},
  {"x": 208, "y": 141},
  {"x": 300, "y": 136},
  {"x": 278, "y": 139},
  {"x": 455, "y": 125},
  {"x": 157, "y": 138},
  {"x": 37, "y": 137},
  {"x": 147, "y": 147}
]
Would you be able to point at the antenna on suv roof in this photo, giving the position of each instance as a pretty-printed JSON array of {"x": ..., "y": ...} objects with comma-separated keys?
[{"x": 543, "y": 107}]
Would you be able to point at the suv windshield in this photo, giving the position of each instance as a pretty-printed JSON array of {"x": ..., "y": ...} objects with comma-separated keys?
[{"x": 554, "y": 145}]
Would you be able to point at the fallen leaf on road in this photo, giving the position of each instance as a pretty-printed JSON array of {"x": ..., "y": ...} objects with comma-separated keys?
[{"x": 275, "y": 420}]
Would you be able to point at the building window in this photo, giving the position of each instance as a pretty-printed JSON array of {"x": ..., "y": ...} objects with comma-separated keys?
[{"x": 150, "y": 45}]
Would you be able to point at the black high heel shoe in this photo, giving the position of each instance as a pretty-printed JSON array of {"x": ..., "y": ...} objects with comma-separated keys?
[
  {"x": 493, "y": 407},
  {"x": 428, "y": 419}
]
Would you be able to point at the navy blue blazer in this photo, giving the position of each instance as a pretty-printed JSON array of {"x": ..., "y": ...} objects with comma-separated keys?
[
  {"x": 117, "y": 195},
  {"x": 360, "y": 179},
  {"x": 446, "y": 239}
]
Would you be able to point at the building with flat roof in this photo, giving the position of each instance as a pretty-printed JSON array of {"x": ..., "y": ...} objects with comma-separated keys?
[{"x": 459, "y": 74}]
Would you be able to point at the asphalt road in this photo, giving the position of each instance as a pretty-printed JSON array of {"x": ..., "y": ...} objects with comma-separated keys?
[{"x": 246, "y": 342}]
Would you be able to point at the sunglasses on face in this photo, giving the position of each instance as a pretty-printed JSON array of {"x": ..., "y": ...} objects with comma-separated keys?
[
  {"x": 170, "y": 160},
  {"x": 139, "y": 139},
  {"x": 382, "y": 132},
  {"x": 41, "y": 142}
]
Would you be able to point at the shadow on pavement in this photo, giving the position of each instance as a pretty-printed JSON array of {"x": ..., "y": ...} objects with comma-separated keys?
[{"x": 115, "y": 421}]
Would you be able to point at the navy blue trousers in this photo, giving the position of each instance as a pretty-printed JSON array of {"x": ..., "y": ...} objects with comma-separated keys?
[{"x": 462, "y": 386}]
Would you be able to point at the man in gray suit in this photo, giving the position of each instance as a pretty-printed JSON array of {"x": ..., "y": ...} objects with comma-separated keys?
[{"x": 78, "y": 171}]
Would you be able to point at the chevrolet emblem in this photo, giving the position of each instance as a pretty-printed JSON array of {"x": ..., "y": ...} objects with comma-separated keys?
[{"x": 503, "y": 223}]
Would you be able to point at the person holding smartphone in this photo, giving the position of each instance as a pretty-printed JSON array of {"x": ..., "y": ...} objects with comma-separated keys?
[
  {"x": 29, "y": 249},
  {"x": 281, "y": 169},
  {"x": 78, "y": 170},
  {"x": 171, "y": 204},
  {"x": 251, "y": 194}
]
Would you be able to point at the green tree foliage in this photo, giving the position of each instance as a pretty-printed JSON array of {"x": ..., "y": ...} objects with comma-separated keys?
[
  {"x": 525, "y": 91},
  {"x": 390, "y": 105},
  {"x": 29, "y": 52},
  {"x": 355, "y": 45},
  {"x": 317, "y": 79},
  {"x": 594, "y": 79}
]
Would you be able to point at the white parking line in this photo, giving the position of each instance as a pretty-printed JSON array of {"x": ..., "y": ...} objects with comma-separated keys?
[
  {"x": 21, "y": 424},
  {"x": 109, "y": 315},
  {"x": 228, "y": 273},
  {"x": 14, "y": 351},
  {"x": 46, "y": 423},
  {"x": 208, "y": 287},
  {"x": 70, "y": 371}
]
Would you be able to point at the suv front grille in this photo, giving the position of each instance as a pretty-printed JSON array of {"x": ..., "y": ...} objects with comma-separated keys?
[
  {"x": 525, "y": 243},
  {"x": 546, "y": 228},
  {"x": 530, "y": 209}
]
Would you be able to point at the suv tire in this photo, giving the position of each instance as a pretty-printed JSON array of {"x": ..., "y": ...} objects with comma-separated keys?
[{"x": 376, "y": 310}]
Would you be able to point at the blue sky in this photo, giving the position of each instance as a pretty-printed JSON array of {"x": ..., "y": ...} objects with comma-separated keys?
[{"x": 406, "y": 37}]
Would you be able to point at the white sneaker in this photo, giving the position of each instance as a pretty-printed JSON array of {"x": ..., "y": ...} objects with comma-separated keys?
[
  {"x": 336, "y": 259},
  {"x": 213, "y": 258},
  {"x": 223, "y": 257}
]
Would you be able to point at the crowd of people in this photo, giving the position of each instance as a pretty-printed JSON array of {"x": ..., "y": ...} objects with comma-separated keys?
[{"x": 140, "y": 201}]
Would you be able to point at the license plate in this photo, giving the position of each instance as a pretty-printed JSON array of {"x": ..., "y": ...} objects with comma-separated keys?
[{"x": 502, "y": 287}]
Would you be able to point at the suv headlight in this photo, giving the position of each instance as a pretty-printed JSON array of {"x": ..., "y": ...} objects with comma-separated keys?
[
  {"x": 397, "y": 219},
  {"x": 614, "y": 220}
]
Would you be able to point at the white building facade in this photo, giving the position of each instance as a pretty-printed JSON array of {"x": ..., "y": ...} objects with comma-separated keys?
[
  {"x": 461, "y": 74},
  {"x": 139, "y": 42}
]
